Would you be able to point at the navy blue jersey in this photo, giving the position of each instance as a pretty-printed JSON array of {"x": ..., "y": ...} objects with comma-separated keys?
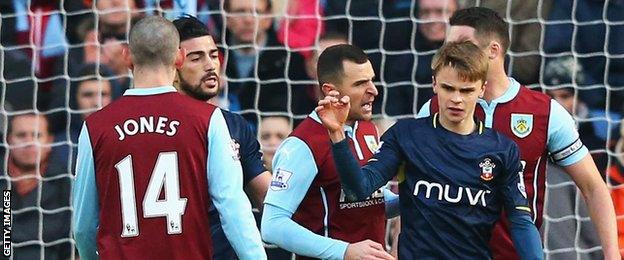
[
  {"x": 452, "y": 187},
  {"x": 251, "y": 161}
]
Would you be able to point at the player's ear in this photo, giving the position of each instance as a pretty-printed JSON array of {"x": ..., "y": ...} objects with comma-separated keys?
[
  {"x": 179, "y": 59},
  {"x": 433, "y": 84},
  {"x": 482, "y": 89},
  {"x": 127, "y": 58},
  {"x": 494, "y": 50},
  {"x": 327, "y": 87}
]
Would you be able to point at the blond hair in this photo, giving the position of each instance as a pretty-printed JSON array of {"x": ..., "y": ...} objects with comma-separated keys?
[{"x": 465, "y": 57}]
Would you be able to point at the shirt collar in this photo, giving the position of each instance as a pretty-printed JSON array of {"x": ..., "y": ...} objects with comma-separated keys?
[
  {"x": 149, "y": 91},
  {"x": 512, "y": 91}
]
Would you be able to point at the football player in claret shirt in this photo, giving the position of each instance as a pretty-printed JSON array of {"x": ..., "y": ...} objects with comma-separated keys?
[
  {"x": 539, "y": 125},
  {"x": 150, "y": 164},
  {"x": 305, "y": 210},
  {"x": 458, "y": 175},
  {"x": 199, "y": 78}
]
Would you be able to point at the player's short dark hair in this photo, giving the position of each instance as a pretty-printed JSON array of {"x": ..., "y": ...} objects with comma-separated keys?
[
  {"x": 486, "y": 22},
  {"x": 464, "y": 57},
  {"x": 153, "y": 42},
  {"x": 190, "y": 27},
  {"x": 329, "y": 66}
]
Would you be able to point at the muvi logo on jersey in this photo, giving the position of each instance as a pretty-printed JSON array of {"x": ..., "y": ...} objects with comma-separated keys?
[
  {"x": 521, "y": 124},
  {"x": 445, "y": 193}
]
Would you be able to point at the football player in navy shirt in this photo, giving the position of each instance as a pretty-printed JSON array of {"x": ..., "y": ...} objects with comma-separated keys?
[
  {"x": 199, "y": 78},
  {"x": 458, "y": 175}
]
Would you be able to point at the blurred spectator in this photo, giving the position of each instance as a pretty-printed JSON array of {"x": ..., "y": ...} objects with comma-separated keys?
[
  {"x": 116, "y": 15},
  {"x": 114, "y": 19},
  {"x": 615, "y": 177},
  {"x": 39, "y": 33},
  {"x": 273, "y": 130},
  {"x": 87, "y": 94},
  {"x": 301, "y": 26},
  {"x": 597, "y": 47},
  {"x": 40, "y": 191},
  {"x": 258, "y": 68},
  {"x": 408, "y": 76}
]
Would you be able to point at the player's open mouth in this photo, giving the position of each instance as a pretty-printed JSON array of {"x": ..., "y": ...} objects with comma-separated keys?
[
  {"x": 211, "y": 81},
  {"x": 368, "y": 107}
]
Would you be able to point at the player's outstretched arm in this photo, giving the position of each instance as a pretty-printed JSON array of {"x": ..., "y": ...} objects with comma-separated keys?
[
  {"x": 225, "y": 181},
  {"x": 596, "y": 194},
  {"x": 568, "y": 151},
  {"x": 85, "y": 199},
  {"x": 294, "y": 171}
]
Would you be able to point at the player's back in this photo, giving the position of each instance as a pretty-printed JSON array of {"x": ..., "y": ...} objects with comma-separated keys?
[
  {"x": 150, "y": 156},
  {"x": 451, "y": 186}
]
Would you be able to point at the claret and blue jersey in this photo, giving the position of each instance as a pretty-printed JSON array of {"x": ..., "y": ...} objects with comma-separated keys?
[{"x": 452, "y": 187}]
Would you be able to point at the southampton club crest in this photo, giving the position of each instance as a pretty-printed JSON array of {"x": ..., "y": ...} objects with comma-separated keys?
[
  {"x": 487, "y": 167},
  {"x": 521, "y": 124}
]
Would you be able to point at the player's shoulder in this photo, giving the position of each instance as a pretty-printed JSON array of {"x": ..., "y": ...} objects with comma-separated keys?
[
  {"x": 533, "y": 96},
  {"x": 309, "y": 128},
  {"x": 234, "y": 120},
  {"x": 499, "y": 140},
  {"x": 413, "y": 123}
]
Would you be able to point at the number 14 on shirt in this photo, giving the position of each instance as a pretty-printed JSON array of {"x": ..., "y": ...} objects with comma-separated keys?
[{"x": 165, "y": 174}]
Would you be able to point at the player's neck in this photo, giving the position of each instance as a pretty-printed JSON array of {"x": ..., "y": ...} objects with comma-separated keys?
[
  {"x": 465, "y": 127},
  {"x": 153, "y": 77},
  {"x": 497, "y": 85}
]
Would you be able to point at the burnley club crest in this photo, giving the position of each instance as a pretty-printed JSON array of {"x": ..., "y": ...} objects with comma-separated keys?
[
  {"x": 521, "y": 124},
  {"x": 487, "y": 167}
]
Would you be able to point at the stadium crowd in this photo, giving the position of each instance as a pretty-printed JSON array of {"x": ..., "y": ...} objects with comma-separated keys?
[{"x": 62, "y": 61}]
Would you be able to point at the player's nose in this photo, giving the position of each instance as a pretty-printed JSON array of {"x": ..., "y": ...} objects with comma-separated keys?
[{"x": 372, "y": 89}]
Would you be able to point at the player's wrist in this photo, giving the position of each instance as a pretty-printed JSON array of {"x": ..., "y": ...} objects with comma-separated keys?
[{"x": 336, "y": 136}]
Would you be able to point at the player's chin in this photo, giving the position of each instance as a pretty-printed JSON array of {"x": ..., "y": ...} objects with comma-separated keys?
[{"x": 366, "y": 116}]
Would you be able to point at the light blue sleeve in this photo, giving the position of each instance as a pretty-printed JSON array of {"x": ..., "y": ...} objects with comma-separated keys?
[
  {"x": 225, "y": 183},
  {"x": 393, "y": 208},
  {"x": 294, "y": 169},
  {"x": 85, "y": 199},
  {"x": 424, "y": 110},
  {"x": 564, "y": 143}
]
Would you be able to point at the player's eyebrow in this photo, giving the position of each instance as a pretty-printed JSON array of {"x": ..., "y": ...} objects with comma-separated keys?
[
  {"x": 446, "y": 85},
  {"x": 196, "y": 53}
]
